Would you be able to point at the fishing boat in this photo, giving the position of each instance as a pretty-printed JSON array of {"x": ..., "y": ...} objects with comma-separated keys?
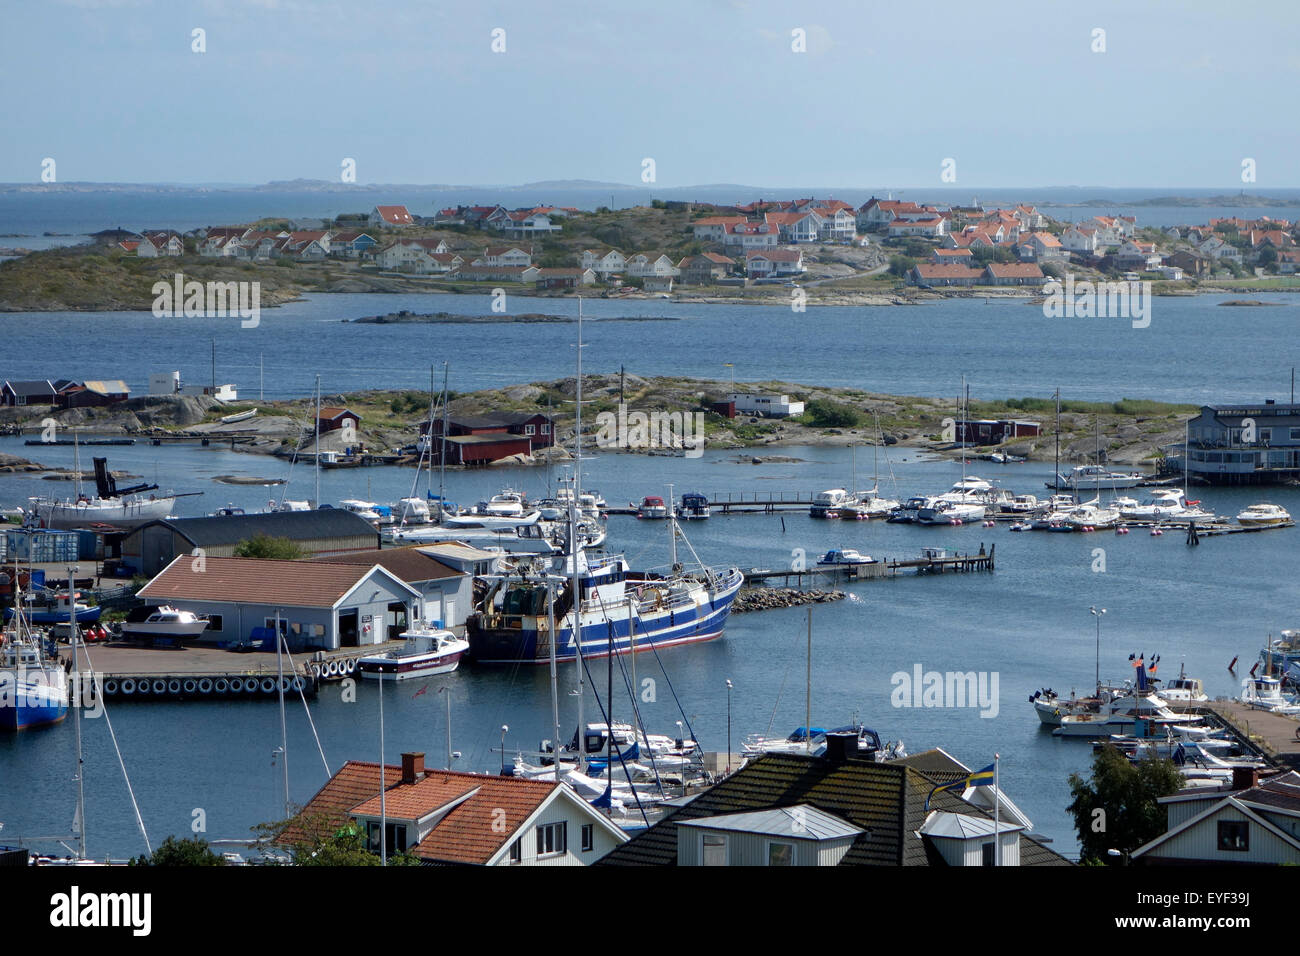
[
  {"x": 652, "y": 507},
  {"x": 51, "y": 607},
  {"x": 694, "y": 507},
  {"x": 123, "y": 508},
  {"x": 1263, "y": 515},
  {"x": 33, "y": 683},
  {"x": 1184, "y": 688},
  {"x": 1279, "y": 654},
  {"x": 428, "y": 651}
]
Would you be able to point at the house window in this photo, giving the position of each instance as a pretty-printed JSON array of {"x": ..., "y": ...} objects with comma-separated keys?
[
  {"x": 990, "y": 855},
  {"x": 714, "y": 850},
  {"x": 1295, "y": 434},
  {"x": 552, "y": 838},
  {"x": 780, "y": 854},
  {"x": 546, "y": 429},
  {"x": 1234, "y": 835},
  {"x": 517, "y": 851},
  {"x": 396, "y": 837},
  {"x": 1265, "y": 435},
  {"x": 588, "y": 837},
  {"x": 530, "y": 429}
]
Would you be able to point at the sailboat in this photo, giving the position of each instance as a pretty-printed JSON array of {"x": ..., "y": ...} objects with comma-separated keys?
[
  {"x": 123, "y": 508},
  {"x": 868, "y": 503}
]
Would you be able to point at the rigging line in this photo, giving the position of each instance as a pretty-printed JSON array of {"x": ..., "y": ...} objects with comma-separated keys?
[
  {"x": 636, "y": 711},
  {"x": 312, "y": 724},
  {"x": 118, "y": 750},
  {"x": 673, "y": 690},
  {"x": 784, "y": 677},
  {"x": 609, "y": 729}
]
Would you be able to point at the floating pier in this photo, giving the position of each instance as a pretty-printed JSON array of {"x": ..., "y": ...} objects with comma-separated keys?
[
  {"x": 936, "y": 562},
  {"x": 1276, "y": 737}
]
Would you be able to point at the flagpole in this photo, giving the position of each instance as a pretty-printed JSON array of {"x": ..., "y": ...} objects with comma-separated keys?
[{"x": 997, "y": 812}]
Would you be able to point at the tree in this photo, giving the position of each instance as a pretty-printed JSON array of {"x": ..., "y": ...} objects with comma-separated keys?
[
  {"x": 262, "y": 545},
  {"x": 900, "y": 266},
  {"x": 824, "y": 413},
  {"x": 1116, "y": 808},
  {"x": 319, "y": 840},
  {"x": 178, "y": 852}
]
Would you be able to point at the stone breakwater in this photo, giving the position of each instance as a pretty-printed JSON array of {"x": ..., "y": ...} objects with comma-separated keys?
[{"x": 765, "y": 599}]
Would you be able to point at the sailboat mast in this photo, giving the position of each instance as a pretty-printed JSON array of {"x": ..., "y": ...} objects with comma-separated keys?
[
  {"x": 284, "y": 734},
  {"x": 76, "y": 716},
  {"x": 555, "y": 693},
  {"x": 442, "y": 450},
  {"x": 807, "y": 713},
  {"x": 317, "y": 441},
  {"x": 1058, "y": 440},
  {"x": 573, "y": 551},
  {"x": 672, "y": 531}
]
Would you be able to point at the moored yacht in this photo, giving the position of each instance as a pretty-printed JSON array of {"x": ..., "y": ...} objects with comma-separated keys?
[
  {"x": 1166, "y": 504},
  {"x": 943, "y": 510},
  {"x": 1095, "y": 478},
  {"x": 1263, "y": 515},
  {"x": 1092, "y": 516},
  {"x": 827, "y": 504},
  {"x": 428, "y": 651},
  {"x": 652, "y": 507},
  {"x": 163, "y": 621}
]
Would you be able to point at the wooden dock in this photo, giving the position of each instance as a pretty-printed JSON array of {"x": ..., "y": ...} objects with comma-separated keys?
[
  {"x": 1276, "y": 737},
  {"x": 885, "y": 568},
  {"x": 196, "y": 672}
]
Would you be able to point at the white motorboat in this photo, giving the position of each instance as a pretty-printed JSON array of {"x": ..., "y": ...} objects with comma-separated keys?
[
  {"x": 838, "y": 557},
  {"x": 946, "y": 511},
  {"x": 652, "y": 507},
  {"x": 1184, "y": 688},
  {"x": 412, "y": 511},
  {"x": 907, "y": 512},
  {"x": 362, "y": 509},
  {"x": 428, "y": 651},
  {"x": 508, "y": 503},
  {"x": 1095, "y": 478},
  {"x": 1265, "y": 693},
  {"x": 492, "y": 522},
  {"x": 694, "y": 507},
  {"x": 1021, "y": 504},
  {"x": 1167, "y": 504},
  {"x": 1263, "y": 515},
  {"x": 163, "y": 621},
  {"x": 827, "y": 504}
]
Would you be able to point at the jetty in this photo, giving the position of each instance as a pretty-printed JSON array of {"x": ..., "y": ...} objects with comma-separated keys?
[
  {"x": 1275, "y": 737},
  {"x": 931, "y": 561}
]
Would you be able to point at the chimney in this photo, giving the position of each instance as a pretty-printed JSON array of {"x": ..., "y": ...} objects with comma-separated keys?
[
  {"x": 1243, "y": 778},
  {"x": 841, "y": 746},
  {"x": 412, "y": 767}
]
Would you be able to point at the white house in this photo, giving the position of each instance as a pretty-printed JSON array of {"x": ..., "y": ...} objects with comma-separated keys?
[
  {"x": 767, "y": 404},
  {"x": 643, "y": 264},
  {"x": 714, "y": 228},
  {"x": 795, "y": 226},
  {"x": 444, "y": 817},
  {"x": 752, "y": 235},
  {"x": 504, "y": 256},
  {"x": 774, "y": 262},
  {"x": 1081, "y": 239},
  {"x": 933, "y": 227},
  {"x": 603, "y": 264}
]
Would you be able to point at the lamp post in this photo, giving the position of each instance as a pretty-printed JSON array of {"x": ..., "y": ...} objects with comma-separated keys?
[
  {"x": 505, "y": 729},
  {"x": 728, "y": 725},
  {"x": 1097, "y": 614}
]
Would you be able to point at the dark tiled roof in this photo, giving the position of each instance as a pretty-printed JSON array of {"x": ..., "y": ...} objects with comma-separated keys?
[
  {"x": 255, "y": 581},
  {"x": 218, "y": 530},
  {"x": 409, "y": 564},
  {"x": 885, "y": 799}
]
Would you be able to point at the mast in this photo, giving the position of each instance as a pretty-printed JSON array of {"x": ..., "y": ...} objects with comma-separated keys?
[
  {"x": 1057, "y": 482},
  {"x": 284, "y": 734},
  {"x": 672, "y": 531},
  {"x": 442, "y": 449},
  {"x": 317, "y": 441},
  {"x": 76, "y": 464},
  {"x": 76, "y": 714},
  {"x": 573, "y": 551},
  {"x": 555, "y": 693},
  {"x": 807, "y": 713},
  {"x": 383, "y": 784}
]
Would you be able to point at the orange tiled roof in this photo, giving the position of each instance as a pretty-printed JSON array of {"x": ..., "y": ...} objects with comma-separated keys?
[
  {"x": 411, "y": 801},
  {"x": 255, "y": 581}
]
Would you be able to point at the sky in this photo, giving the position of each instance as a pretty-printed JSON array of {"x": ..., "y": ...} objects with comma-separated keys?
[{"x": 991, "y": 94}]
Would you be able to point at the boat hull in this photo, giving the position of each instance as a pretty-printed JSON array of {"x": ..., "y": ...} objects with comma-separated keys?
[
  {"x": 32, "y": 697},
  {"x": 602, "y": 635}
]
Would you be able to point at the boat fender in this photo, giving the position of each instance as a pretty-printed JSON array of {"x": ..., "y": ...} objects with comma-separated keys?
[
  {"x": 173, "y": 686},
  {"x": 159, "y": 686},
  {"x": 235, "y": 685},
  {"x": 110, "y": 687},
  {"x": 352, "y": 665},
  {"x": 268, "y": 685},
  {"x": 191, "y": 686},
  {"x": 128, "y": 686},
  {"x": 220, "y": 685},
  {"x": 205, "y": 686}
]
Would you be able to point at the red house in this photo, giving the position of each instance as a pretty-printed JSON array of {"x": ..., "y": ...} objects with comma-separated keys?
[
  {"x": 332, "y": 418},
  {"x": 479, "y": 439}
]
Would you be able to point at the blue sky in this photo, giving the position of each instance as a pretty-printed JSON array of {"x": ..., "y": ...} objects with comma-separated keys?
[{"x": 710, "y": 89}]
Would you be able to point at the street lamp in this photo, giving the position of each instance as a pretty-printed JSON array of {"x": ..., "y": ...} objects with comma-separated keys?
[
  {"x": 1097, "y": 614},
  {"x": 505, "y": 729},
  {"x": 728, "y": 725}
]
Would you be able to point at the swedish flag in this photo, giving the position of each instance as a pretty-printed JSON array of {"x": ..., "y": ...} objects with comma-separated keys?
[{"x": 977, "y": 778}]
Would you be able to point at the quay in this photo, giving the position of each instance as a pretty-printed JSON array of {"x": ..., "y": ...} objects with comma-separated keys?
[
  {"x": 195, "y": 672},
  {"x": 932, "y": 561},
  {"x": 1276, "y": 737}
]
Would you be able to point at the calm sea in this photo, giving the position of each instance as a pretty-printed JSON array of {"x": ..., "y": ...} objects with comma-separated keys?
[{"x": 1028, "y": 622}]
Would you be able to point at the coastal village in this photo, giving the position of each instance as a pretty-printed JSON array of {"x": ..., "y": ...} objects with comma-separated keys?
[{"x": 115, "y": 599}]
